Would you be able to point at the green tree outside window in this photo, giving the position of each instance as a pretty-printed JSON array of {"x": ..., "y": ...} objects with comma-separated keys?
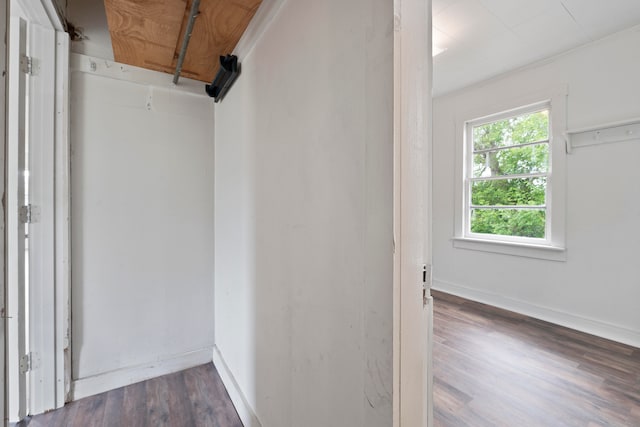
[{"x": 510, "y": 162}]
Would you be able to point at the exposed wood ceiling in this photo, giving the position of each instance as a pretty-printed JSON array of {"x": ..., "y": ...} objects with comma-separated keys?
[{"x": 149, "y": 33}]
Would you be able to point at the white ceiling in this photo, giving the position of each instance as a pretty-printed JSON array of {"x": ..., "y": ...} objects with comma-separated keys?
[{"x": 484, "y": 38}]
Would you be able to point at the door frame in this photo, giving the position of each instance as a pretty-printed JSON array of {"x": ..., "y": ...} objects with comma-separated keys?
[
  {"x": 413, "y": 305},
  {"x": 4, "y": 20},
  {"x": 15, "y": 381},
  {"x": 48, "y": 46}
]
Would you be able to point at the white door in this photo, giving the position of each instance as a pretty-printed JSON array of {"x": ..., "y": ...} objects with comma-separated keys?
[{"x": 412, "y": 200}]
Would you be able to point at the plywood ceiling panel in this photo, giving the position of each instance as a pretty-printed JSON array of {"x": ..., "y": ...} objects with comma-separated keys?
[{"x": 149, "y": 33}]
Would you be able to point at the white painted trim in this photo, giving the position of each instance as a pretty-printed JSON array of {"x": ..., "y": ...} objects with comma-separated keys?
[
  {"x": 41, "y": 12},
  {"x": 265, "y": 14},
  {"x": 96, "y": 384},
  {"x": 117, "y": 71},
  {"x": 4, "y": 20},
  {"x": 245, "y": 411},
  {"x": 16, "y": 394},
  {"x": 54, "y": 14},
  {"x": 551, "y": 253},
  {"x": 580, "y": 323},
  {"x": 412, "y": 404},
  {"x": 41, "y": 125},
  {"x": 62, "y": 223},
  {"x": 396, "y": 216}
]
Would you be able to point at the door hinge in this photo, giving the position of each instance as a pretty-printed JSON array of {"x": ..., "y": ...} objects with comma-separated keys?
[
  {"x": 29, "y": 362},
  {"x": 26, "y": 363},
  {"x": 29, "y": 214},
  {"x": 26, "y": 64}
]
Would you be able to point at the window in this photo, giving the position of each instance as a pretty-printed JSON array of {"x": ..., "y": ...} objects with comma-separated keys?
[
  {"x": 511, "y": 174},
  {"x": 507, "y": 172}
]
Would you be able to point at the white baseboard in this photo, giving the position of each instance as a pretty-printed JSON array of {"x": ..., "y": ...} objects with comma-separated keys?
[
  {"x": 244, "y": 409},
  {"x": 100, "y": 383},
  {"x": 579, "y": 323}
]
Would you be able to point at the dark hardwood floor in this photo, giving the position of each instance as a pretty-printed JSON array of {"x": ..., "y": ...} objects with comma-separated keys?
[
  {"x": 497, "y": 368},
  {"x": 192, "y": 398},
  {"x": 492, "y": 368}
]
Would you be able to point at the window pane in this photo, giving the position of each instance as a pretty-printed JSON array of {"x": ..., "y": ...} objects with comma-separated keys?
[
  {"x": 509, "y": 192},
  {"x": 509, "y": 222},
  {"x": 516, "y": 130},
  {"x": 512, "y": 161}
]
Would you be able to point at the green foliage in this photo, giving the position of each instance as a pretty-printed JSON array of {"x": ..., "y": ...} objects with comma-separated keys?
[
  {"x": 509, "y": 192},
  {"x": 509, "y": 222},
  {"x": 512, "y": 131},
  {"x": 517, "y": 160},
  {"x": 514, "y": 160}
]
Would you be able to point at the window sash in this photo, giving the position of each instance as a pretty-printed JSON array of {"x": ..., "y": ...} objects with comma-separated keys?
[
  {"x": 503, "y": 207},
  {"x": 505, "y": 177},
  {"x": 510, "y": 147}
]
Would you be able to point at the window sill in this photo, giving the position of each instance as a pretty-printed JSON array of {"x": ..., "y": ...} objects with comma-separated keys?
[{"x": 551, "y": 253}]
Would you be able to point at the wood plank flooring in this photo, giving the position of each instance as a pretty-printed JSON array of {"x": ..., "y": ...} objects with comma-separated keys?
[
  {"x": 497, "y": 368},
  {"x": 492, "y": 368},
  {"x": 192, "y": 398}
]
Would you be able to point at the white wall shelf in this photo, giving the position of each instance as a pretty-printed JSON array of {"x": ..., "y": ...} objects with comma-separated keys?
[{"x": 603, "y": 134}]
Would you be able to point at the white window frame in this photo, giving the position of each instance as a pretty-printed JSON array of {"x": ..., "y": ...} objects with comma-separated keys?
[
  {"x": 468, "y": 171},
  {"x": 552, "y": 247}
]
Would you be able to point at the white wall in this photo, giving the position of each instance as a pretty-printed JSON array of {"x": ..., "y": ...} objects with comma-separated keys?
[
  {"x": 597, "y": 289},
  {"x": 303, "y": 254},
  {"x": 142, "y": 227}
]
